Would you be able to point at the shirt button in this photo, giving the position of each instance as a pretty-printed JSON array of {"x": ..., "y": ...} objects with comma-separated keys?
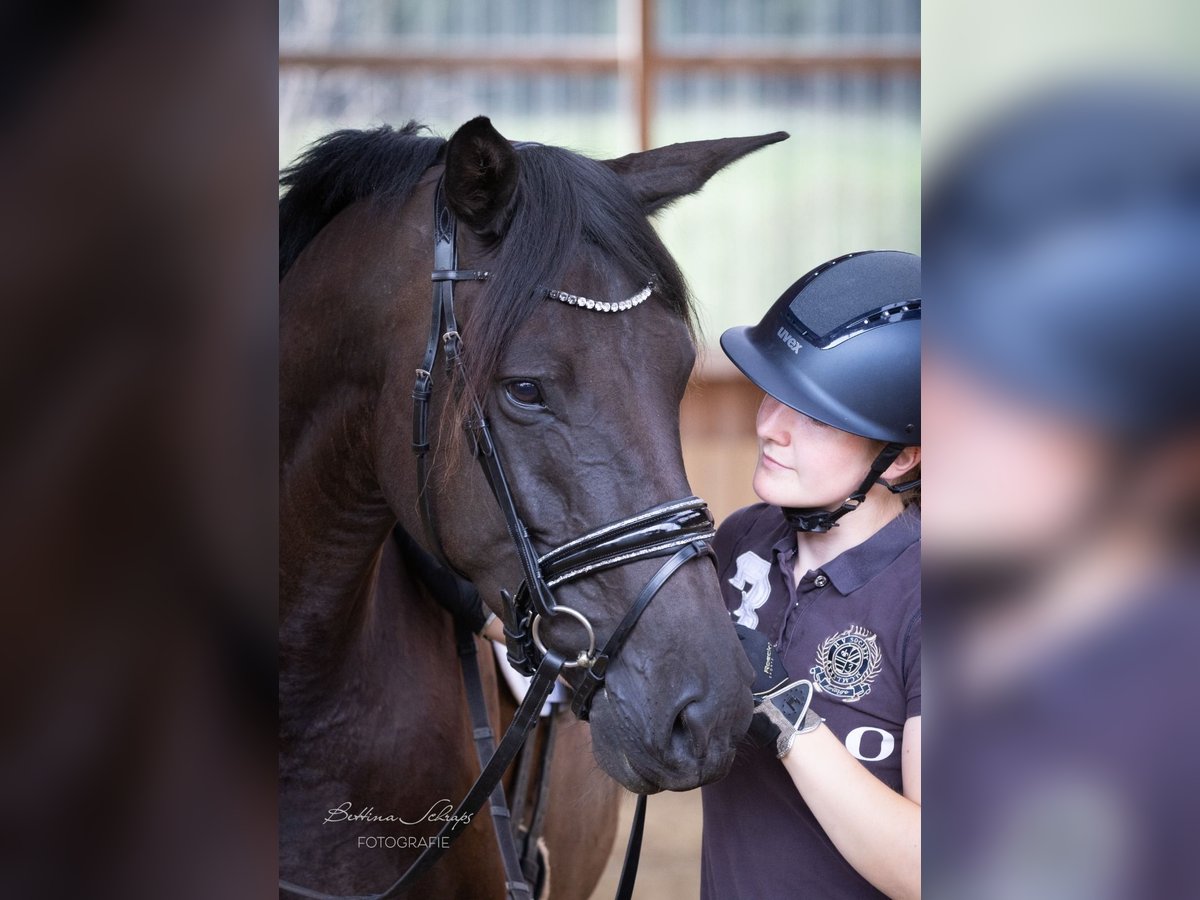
[{"x": 820, "y": 581}]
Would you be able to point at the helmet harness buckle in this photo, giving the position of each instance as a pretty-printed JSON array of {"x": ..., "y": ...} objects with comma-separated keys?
[{"x": 818, "y": 521}]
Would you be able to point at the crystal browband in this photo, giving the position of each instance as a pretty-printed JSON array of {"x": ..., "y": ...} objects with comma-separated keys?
[{"x": 602, "y": 306}]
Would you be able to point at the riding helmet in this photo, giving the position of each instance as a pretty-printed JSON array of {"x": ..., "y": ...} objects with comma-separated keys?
[
  {"x": 1064, "y": 239},
  {"x": 843, "y": 346}
]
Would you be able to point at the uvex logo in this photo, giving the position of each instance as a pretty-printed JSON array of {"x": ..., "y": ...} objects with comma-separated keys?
[{"x": 786, "y": 337}]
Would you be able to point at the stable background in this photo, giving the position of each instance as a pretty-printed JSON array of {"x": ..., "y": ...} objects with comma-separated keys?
[{"x": 607, "y": 77}]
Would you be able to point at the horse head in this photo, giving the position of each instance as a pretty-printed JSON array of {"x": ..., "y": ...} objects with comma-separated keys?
[{"x": 582, "y": 399}]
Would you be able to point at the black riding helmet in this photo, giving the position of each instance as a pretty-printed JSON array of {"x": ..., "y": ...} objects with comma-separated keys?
[
  {"x": 1067, "y": 236},
  {"x": 843, "y": 346}
]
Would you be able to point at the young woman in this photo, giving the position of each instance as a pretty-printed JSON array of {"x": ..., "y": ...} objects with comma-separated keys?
[{"x": 823, "y": 580}]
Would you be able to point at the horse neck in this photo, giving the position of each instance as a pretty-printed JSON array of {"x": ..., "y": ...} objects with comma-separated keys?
[
  {"x": 333, "y": 522},
  {"x": 341, "y": 320}
]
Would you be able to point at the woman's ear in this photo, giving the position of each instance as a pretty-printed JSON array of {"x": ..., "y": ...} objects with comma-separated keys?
[
  {"x": 481, "y": 178},
  {"x": 909, "y": 459}
]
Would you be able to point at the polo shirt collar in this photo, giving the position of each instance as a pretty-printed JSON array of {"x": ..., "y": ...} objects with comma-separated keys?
[{"x": 853, "y": 568}]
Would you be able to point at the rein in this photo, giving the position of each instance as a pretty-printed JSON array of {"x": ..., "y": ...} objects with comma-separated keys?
[{"x": 680, "y": 529}]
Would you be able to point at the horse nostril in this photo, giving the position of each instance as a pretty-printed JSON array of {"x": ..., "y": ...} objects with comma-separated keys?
[{"x": 689, "y": 729}]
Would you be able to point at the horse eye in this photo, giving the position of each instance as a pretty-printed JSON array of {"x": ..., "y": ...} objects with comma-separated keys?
[{"x": 526, "y": 393}]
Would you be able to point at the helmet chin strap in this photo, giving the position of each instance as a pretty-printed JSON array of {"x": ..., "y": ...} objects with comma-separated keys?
[{"x": 818, "y": 521}]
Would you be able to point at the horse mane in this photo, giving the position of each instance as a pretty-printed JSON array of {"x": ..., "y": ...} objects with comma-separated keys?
[
  {"x": 566, "y": 205},
  {"x": 344, "y": 167}
]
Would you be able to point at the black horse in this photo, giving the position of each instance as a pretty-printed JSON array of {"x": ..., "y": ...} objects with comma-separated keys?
[{"x": 584, "y": 405}]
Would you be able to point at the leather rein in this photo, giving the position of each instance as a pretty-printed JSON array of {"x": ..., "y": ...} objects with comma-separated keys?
[{"x": 680, "y": 529}]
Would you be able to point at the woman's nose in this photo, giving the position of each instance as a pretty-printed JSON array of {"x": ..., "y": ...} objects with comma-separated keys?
[{"x": 771, "y": 422}]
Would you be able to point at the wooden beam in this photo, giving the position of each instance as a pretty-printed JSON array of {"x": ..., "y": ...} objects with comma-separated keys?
[
  {"x": 647, "y": 74},
  {"x": 400, "y": 59},
  {"x": 791, "y": 62}
]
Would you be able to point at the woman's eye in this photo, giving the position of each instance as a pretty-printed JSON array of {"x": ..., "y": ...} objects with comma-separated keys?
[{"x": 526, "y": 393}]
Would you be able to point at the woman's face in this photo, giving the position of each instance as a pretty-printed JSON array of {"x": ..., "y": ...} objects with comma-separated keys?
[
  {"x": 1034, "y": 475},
  {"x": 805, "y": 463}
]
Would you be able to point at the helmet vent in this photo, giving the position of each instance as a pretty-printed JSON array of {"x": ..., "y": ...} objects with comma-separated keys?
[
  {"x": 852, "y": 294},
  {"x": 885, "y": 315}
]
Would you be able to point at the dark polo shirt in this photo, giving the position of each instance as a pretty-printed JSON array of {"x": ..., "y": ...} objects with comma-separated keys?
[{"x": 852, "y": 627}]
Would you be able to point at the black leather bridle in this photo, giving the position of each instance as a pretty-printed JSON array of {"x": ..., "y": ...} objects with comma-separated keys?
[{"x": 680, "y": 529}]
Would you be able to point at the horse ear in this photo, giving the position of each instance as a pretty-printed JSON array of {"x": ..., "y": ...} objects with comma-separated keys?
[
  {"x": 481, "y": 177},
  {"x": 661, "y": 176}
]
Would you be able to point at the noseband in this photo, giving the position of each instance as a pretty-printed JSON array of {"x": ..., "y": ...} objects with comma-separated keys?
[{"x": 680, "y": 529}]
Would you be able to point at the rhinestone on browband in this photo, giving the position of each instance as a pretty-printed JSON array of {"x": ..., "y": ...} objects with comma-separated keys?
[{"x": 600, "y": 305}]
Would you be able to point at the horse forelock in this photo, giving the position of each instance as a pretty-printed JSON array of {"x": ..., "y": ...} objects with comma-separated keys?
[{"x": 568, "y": 208}]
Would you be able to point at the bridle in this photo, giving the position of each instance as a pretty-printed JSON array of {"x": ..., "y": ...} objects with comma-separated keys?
[{"x": 679, "y": 529}]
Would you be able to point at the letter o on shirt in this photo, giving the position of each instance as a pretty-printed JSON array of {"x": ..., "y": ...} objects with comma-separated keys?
[{"x": 854, "y": 741}]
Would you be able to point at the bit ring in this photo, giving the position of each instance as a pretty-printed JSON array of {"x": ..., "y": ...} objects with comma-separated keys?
[{"x": 586, "y": 657}]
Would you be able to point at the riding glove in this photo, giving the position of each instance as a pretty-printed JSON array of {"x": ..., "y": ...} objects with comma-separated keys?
[
  {"x": 769, "y": 672},
  {"x": 781, "y": 705},
  {"x": 782, "y": 715}
]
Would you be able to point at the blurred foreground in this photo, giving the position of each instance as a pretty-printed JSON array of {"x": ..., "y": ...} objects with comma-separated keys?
[
  {"x": 137, "y": 467},
  {"x": 1062, "y": 504},
  {"x": 137, "y": 329}
]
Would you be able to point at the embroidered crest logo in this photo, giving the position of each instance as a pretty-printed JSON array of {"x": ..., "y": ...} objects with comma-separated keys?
[
  {"x": 847, "y": 663},
  {"x": 752, "y": 579}
]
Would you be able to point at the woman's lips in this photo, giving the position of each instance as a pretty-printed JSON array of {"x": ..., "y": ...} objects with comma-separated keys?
[{"x": 773, "y": 463}]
